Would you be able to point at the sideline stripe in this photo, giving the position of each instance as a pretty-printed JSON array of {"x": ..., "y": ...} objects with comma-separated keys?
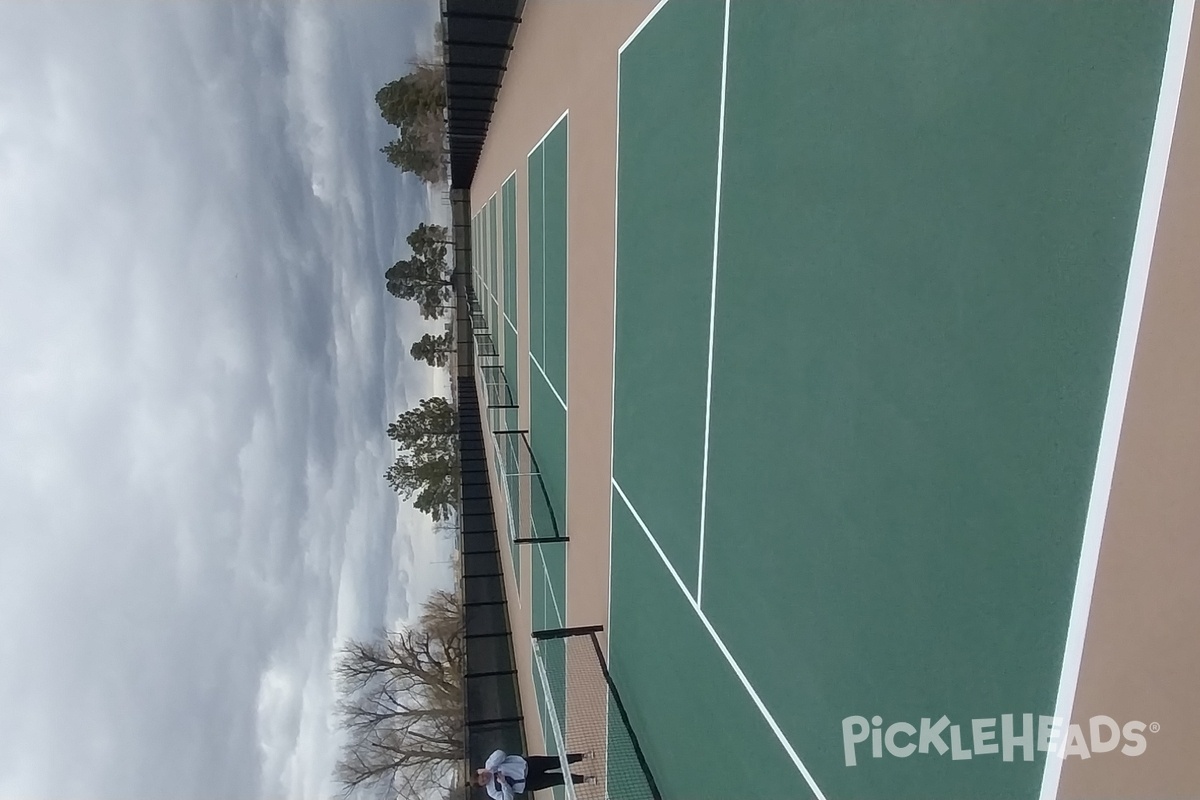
[
  {"x": 616, "y": 236},
  {"x": 1114, "y": 411},
  {"x": 543, "y": 278},
  {"x": 550, "y": 587},
  {"x": 613, "y": 374},
  {"x": 762, "y": 708},
  {"x": 712, "y": 308}
]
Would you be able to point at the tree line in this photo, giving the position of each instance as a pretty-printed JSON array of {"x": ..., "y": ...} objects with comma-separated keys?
[
  {"x": 426, "y": 467},
  {"x": 401, "y": 694},
  {"x": 415, "y": 105},
  {"x": 400, "y": 703}
]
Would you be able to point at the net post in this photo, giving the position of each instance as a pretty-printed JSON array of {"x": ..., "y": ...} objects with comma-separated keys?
[{"x": 563, "y": 633}]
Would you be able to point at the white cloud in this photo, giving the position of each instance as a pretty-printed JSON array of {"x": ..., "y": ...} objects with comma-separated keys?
[{"x": 197, "y": 362}]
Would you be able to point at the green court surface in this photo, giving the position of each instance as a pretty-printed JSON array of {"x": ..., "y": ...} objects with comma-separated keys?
[
  {"x": 494, "y": 234},
  {"x": 512, "y": 366},
  {"x": 508, "y": 252},
  {"x": 547, "y": 202},
  {"x": 871, "y": 260},
  {"x": 547, "y": 355}
]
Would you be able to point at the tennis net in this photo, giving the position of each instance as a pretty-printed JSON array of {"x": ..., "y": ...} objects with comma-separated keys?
[{"x": 582, "y": 714}]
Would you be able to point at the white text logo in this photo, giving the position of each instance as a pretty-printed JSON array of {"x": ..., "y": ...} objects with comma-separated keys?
[{"x": 984, "y": 737}]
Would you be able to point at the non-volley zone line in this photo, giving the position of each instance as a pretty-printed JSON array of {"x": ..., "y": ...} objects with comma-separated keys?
[
  {"x": 758, "y": 703},
  {"x": 549, "y": 382}
]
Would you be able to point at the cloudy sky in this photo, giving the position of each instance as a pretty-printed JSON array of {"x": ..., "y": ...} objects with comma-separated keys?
[{"x": 197, "y": 364}]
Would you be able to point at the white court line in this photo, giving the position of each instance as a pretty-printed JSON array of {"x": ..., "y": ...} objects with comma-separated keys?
[
  {"x": 613, "y": 388},
  {"x": 502, "y": 267},
  {"x": 568, "y": 786},
  {"x": 612, "y": 392},
  {"x": 566, "y": 334},
  {"x": 540, "y": 213},
  {"x": 508, "y": 513},
  {"x": 532, "y": 357},
  {"x": 548, "y": 383},
  {"x": 513, "y": 209},
  {"x": 494, "y": 303},
  {"x": 541, "y": 141},
  {"x": 616, "y": 236},
  {"x": 550, "y": 587},
  {"x": 491, "y": 248},
  {"x": 566, "y": 344},
  {"x": 544, "y": 245},
  {"x": 1118, "y": 391},
  {"x": 712, "y": 309},
  {"x": 549, "y": 131},
  {"x": 636, "y": 32},
  {"x": 762, "y": 708}
]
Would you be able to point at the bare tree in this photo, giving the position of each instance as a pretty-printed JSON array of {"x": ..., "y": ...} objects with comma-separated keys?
[
  {"x": 441, "y": 618},
  {"x": 402, "y": 706}
]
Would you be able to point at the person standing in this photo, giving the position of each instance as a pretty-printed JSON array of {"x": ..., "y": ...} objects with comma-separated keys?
[{"x": 506, "y": 775}]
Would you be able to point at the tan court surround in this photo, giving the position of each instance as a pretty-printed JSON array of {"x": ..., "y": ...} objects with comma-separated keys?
[{"x": 565, "y": 59}]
